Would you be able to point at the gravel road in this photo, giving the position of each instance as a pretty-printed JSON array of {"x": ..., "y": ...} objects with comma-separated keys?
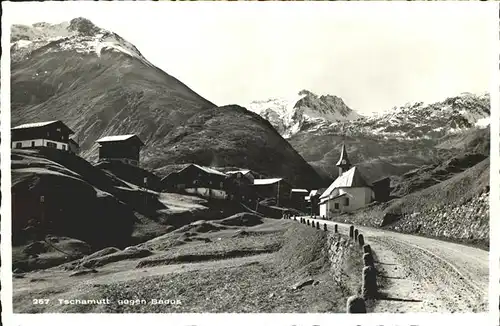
[{"x": 418, "y": 274}]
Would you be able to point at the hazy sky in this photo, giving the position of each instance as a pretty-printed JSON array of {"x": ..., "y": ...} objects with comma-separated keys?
[{"x": 373, "y": 55}]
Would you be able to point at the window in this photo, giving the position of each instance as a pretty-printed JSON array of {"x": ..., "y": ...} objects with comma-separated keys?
[
  {"x": 32, "y": 144},
  {"x": 222, "y": 184},
  {"x": 346, "y": 202},
  {"x": 19, "y": 145},
  {"x": 336, "y": 205},
  {"x": 51, "y": 144}
]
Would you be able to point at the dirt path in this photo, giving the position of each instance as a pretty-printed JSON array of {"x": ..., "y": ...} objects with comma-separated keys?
[{"x": 420, "y": 274}]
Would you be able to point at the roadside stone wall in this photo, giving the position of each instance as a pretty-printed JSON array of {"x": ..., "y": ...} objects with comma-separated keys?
[{"x": 346, "y": 262}]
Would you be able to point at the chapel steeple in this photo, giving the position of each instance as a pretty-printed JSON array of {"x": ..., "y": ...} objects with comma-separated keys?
[{"x": 344, "y": 164}]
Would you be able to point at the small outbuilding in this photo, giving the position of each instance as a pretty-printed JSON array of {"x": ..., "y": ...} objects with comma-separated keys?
[
  {"x": 382, "y": 189},
  {"x": 298, "y": 198},
  {"x": 123, "y": 148},
  {"x": 312, "y": 201}
]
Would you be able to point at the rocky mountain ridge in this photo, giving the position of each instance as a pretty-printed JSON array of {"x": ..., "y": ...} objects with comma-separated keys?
[
  {"x": 401, "y": 139},
  {"x": 291, "y": 115}
]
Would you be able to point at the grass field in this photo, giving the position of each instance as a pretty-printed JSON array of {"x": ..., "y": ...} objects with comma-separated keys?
[{"x": 274, "y": 266}]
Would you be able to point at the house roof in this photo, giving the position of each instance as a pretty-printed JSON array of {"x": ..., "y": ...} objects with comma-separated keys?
[
  {"x": 41, "y": 124},
  {"x": 316, "y": 192},
  {"x": 205, "y": 169},
  {"x": 350, "y": 178},
  {"x": 300, "y": 190},
  {"x": 336, "y": 197},
  {"x": 384, "y": 179},
  {"x": 239, "y": 171},
  {"x": 260, "y": 182},
  {"x": 118, "y": 138},
  {"x": 72, "y": 140}
]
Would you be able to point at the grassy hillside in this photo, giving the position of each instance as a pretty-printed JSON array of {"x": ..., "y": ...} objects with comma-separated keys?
[
  {"x": 226, "y": 265},
  {"x": 84, "y": 202}
]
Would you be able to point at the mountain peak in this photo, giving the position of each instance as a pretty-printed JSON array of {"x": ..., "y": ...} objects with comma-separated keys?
[
  {"x": 302, "y": 111},
  {"x": 78, "y": 35},
  {"x": 305, "y": 92},
  {"x": 83, "y": 26}
]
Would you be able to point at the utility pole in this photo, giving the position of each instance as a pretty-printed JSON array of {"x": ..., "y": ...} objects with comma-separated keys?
[
  {"x": 278, "y": 197},
  {"x": 146, "y": 189},
  {"x": 41, "y": 229}
]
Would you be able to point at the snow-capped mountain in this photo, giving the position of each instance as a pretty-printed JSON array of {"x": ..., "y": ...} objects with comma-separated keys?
[
  {"x": 419, "y": 120},
  {"x": 79, "y": 35},
  {"x": 299, "y": 112},
  {"x": 401, "y": 138}
]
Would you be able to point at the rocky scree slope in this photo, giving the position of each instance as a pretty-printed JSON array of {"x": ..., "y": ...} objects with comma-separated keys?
[
  {"x": 99, "y": 84},
  {"x": 454, "y": 209}
]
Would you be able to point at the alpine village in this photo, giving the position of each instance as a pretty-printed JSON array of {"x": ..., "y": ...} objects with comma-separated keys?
[{"x": 132, "y": 193}]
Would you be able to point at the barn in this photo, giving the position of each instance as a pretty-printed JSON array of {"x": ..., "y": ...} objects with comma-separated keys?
[
  {"x": 52, "y": 134},
  {"x": 122, "y": 148},
  {"x": 298, "y": 198},
  {"x": 276, "y": 188}
]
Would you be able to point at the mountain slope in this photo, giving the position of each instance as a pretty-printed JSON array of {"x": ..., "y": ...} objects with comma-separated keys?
[
  {"x": 216, "y": 137},
  {"x": 99, "y": 84}
]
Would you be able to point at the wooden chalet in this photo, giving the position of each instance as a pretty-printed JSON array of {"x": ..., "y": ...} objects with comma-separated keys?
[
  {"x": 122, "y": 148},
  {"x": 51, "y": 134},
  {"x": 247, "y": 174},
  {"x": 240, "y": 186},
  {"x": 197, "y": 180}
]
